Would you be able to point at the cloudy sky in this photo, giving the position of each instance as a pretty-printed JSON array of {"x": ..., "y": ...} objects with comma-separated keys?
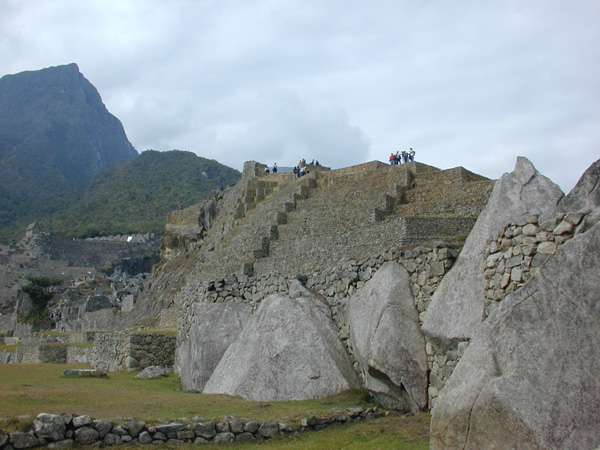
[{"x": 465, "y": 83}]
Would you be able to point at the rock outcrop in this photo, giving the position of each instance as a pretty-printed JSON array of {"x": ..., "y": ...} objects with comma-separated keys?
[
  {"x": 529, "y": 377},
  {"x": 216, "y": 326},
  {"x": 289, "y": 350},
  {"x": 386, "y": 337},
  {"x": 457, "y": 307},
  {"x": 585, "y": 197}
]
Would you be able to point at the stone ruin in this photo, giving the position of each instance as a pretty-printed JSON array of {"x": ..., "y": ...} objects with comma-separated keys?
[{"x": 434, "y": 288}]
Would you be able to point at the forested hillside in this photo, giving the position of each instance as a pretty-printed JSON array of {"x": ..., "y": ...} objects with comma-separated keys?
[{"x": 135, "y": 196}]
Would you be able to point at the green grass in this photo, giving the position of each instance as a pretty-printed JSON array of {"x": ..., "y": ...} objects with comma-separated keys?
[
  {"x": 34, "y": 388},
  {"x": 9, "y": 348},
  {"x": 28, "y": 389}
]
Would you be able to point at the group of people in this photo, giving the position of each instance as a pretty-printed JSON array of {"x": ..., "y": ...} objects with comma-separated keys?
[
  {"x": 402, "y": 157},
  {"x": 300, "y": 170},
  {"x": 272, "y": 170}
]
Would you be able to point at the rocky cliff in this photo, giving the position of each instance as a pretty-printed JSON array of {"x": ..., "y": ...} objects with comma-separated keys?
[{"x": 54, "y": 129}]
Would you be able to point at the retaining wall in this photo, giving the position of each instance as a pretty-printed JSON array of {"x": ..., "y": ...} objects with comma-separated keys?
[
  {"x": 426, "y": 264},
  {"x": 114, "y": 351}
]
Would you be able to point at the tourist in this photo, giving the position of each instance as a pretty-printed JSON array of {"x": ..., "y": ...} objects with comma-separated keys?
[
  {"x": 267, "y": 170},
  {"x": 392, "y": 159},
  {"x": 411, "y": 155},
  {"x": 274, "y": 167},
  {"x": 376, "y": 164}
]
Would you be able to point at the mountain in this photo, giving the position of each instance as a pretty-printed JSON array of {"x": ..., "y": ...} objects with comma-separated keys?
[
  {"x": 135, "y": 196},
  {"x": 55, "y": 136}
]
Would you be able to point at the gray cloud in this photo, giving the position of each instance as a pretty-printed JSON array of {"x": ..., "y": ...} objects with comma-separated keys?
[{"x": 472, "y": 84}]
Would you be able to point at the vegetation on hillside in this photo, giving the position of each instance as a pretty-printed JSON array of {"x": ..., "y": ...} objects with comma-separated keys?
[
  {"x": 39, "y": 292},
  {"x": 135, "y": 196}
]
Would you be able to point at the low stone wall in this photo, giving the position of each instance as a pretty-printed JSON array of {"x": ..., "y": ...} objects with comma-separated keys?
[
  {"x": 66, "y": 430},
  {"x": 120, "y": 350},
  {"x": 48, "y": 354},
  {"x": 34, "y": 354}
]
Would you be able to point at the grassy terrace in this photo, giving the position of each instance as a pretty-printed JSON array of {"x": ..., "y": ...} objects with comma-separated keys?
[{"x": 28, "y": 389}]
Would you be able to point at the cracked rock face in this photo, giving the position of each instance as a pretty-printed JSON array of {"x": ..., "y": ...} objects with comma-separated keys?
[
  {"x": 215, "y": 327},
  {"x": 529, "y": 378},
  {"x": 387, "y": 339},
  {"x": 457, "y": 307},
  {"x": 289, "y": 350},
  {"x": 584, "y": 197}
]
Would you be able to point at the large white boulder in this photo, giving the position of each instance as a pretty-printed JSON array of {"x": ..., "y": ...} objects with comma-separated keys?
[
  {"x": 290, "y": 350},
  {"x": 529, "y": 379},
  {"x": 457, "y": 306},
  {"x": 387, "y": 340},
  {"x": 215, "y": 327}
]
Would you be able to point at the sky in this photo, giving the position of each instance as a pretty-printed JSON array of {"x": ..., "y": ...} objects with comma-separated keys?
[{"x": 464, "y": 83}]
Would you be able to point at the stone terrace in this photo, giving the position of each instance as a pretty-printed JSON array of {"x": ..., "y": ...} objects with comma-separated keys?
[{"x": 287, "y": 226}]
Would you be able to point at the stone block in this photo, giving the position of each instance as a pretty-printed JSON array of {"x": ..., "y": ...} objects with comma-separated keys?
[
  {"x": 81, "y": 421},
  {"x": 245, "y": 437},
  {"x": 563, "y": 228},
  {"x": 547, "y": 248},
  {"x": 51, "y": 427},
  {"x": 530, "y": 229},
  {"x": 514, "y": 261},
  {"x": 236, "y": 426},
  {"x": 86, "y": 435},
  {"x": 145, "y": 438},
  {"x": 222, "y": 438},
  {"x": 23, "y": 440},
  {"x": 186, "y": 435},
  {"x": 516, "y": 274},
  {"x": 206, "y": 430},
  {"x": 103, "y": 427},
  {"x": 252, "y": 426},
  {"x": 269, "y": 429}
]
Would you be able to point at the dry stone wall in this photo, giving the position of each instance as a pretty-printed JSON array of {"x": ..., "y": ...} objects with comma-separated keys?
[
  {"x": 66, "y": 430},
  {"x": 126, "y": 351},
  {"x": 518, "y": 251},
  {"x": 48, "y": 354}
]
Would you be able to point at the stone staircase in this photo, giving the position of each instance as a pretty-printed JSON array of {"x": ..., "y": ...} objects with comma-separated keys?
[
  {"x": 363, "y": 211},
  {"x": 266, "y": 205},
  {"x": 284, "y": 225}
]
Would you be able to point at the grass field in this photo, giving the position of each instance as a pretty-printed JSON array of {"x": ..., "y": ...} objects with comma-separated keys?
[{"x": 28, "y": 389}]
